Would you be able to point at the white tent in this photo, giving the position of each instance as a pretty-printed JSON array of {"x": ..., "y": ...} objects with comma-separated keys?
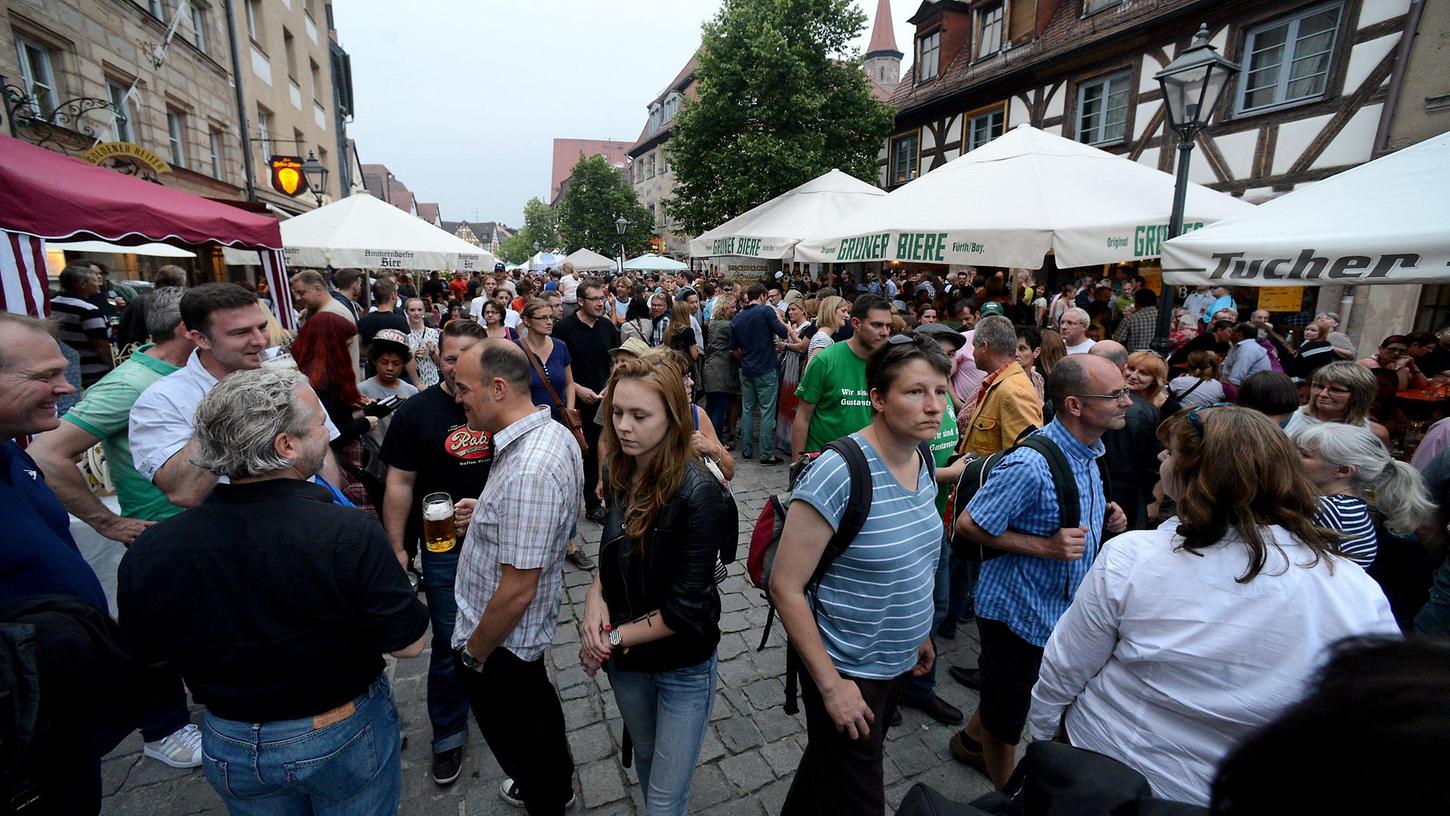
[
  {"x": 1015, "y": 199},
  {"x": 650, "y": 262},
  {"x": 587, "y": 260},
  {"x": 1386, "y": 221},
  {"x": 772, "y": 229},
  {"x": 545, "y": 260},
  {"x": 361, "y": 231},
  {"x": 151, "y": 250}
]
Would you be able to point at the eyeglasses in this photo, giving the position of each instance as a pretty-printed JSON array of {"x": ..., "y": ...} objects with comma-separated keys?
[
  {"x": 1115, "y": 396},
  {"x": 1196, "y": 422}
]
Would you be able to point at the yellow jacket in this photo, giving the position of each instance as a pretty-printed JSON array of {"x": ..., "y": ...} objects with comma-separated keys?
[{"x": 1007, "y": 409}]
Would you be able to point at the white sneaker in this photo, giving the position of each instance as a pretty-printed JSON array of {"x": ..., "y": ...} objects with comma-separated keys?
[
  {"x": 180, "y": 749},
  {"x": 509, "y": 792}
]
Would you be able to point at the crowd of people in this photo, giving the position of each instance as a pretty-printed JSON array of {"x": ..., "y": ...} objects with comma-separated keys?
[{"x": 1159, "y": 552}]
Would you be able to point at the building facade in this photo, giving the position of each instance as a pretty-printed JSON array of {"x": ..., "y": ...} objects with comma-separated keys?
[
  {"x": 487, "y": 235},
  {"x": 1312, "y": 98},
  {"x": 82, "y": 74},
  {"x": 290, "y": 103},
  {"x": 649, "y": 168}
]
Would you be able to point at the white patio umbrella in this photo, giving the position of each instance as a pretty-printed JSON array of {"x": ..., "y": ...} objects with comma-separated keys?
[
  {"x": 772, "y": 229},
  {"x": 151, "y": 250},
  {"x": 650, "y": 262},
  {"x": 587, "y": 260},
  {"x": 363, "y": 232},
  {"x": 1385, "y": 221},
  {"x": 1015, "y": 199}
]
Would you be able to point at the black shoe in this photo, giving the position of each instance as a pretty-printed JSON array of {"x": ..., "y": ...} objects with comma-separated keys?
[
  {"x": 447, "y": 765},
  {"x": 509, "y": 792},
  {"x": 595, "y": 514},
  {"x": 771, "y": 460},
  {"x": 936, "y": 708},
  {"x": 968, "y": 616},
  {"x": 971, "y": 678},
  {"x": 746, "y": 455},
  {"x": 945, "y": 633},
  {"x": 896, "y": 716}
]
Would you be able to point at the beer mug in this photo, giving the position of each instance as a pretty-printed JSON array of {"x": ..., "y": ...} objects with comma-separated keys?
[{"x": 439, "y": 535}]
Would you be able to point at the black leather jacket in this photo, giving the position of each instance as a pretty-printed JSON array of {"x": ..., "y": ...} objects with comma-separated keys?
[{"x": 673, "y": 572}]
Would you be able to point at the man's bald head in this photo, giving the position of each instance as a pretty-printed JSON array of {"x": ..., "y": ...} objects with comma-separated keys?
[
  {"x": 504, "y": 360},
  {"x": 1112, "y": 351}
]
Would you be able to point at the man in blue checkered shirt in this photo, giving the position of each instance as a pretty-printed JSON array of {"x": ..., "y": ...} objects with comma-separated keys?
[{"x": 1021, "y": 595}]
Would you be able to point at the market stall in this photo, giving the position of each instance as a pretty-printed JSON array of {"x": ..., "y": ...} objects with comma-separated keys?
[
  {"x": 772, "y": 229},
  {"x": 1013, "y": 201},
  {"x": 1385, "y": 221},
  {"x": 587, "y": 260},
  {"x": 363, "y": 232},
  {"x": 48, "y": 196}
]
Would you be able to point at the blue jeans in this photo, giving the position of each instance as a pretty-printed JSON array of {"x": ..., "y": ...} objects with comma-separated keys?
[
  {"x": 963, "y": 588},
  {"x": 920, "y": 689},
  {"x": 758, "y": 393},
  {"x": 666, "y": 714},
  {"x": 447, "y": 704},
  {"x": 717, "y": 405},
  {"x": 349, "y": 768}
]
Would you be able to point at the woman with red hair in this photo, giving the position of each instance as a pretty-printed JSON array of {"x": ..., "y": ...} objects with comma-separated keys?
[{"x": 322, "y": 354}]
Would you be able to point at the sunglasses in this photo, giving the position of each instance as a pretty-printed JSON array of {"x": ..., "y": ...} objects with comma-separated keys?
[{"x": 1196, "y": 421}]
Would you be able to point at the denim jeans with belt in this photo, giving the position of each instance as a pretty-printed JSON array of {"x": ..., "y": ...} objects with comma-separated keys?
[
  {"x": 447, "y": 704},
  {"x": 758, "y": 393},
  {"x": 351, "y": 767},
  {"x": 666, "y": 714}
]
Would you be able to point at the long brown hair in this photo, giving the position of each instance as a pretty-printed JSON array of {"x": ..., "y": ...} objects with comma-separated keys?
[
  {"x": 655, "y": 485},
  {"x": 1236, "y": 471},
  {"x": 1053, "y": 350},
  {"x": 679, "y": 322}
]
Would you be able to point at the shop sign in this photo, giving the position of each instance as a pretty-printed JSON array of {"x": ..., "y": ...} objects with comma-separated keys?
[
  {"x": 287, "y": 177},
  {"x": 112, "y": 152},
  {"x": 1281, "y": 298}
]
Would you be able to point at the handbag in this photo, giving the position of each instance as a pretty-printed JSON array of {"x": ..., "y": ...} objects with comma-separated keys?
[{"x": 570, "y": 416}]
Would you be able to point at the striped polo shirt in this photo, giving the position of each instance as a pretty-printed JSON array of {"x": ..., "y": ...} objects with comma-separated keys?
[
  {"x": 1350, "y": 516},
  {"x": 874, "y": 603}
]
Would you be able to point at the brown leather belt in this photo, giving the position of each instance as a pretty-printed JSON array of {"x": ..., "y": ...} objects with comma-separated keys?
[{"x": 336, "y": 715}]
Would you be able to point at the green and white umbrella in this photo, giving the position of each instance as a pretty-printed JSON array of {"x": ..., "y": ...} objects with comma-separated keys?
[
  {"x": 1014, "y": 200},
  {"x": 772, "y": 229}
]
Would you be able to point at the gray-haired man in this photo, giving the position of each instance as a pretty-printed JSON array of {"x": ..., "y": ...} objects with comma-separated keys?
[{"x": 275, "y": 606}]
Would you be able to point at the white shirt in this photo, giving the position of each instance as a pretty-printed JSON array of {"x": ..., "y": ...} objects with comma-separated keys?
[
  {"x": 475, "y": 308},
  {"x": 569, "y": 289},
  {"x": 1082, "y": 348},
  {"x": 164, "y": 416},
  {"x": 1165, "y": 662}
]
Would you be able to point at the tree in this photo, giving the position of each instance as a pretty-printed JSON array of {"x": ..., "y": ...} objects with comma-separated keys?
[
  {"x": 540, "y": 227},
  {"x": 597, "y": 195},
  {"x": 781, "y": 101}
]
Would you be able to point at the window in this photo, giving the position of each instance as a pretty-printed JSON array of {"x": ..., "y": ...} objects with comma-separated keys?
[
  {"x": 121, "y": 105},
  {"x": 903, "y": 159},
  {"x": 984, "y": 127},
  {"x": 158, "y": 9},
  {"x": 289, "y": 47},
  {"x": 198, "y": 26},
  {"x": 316, "y": 72},
  {"x": 1287, "y": 61},
  {"x": 928, "y": 50},
  {"x": 264, "y": 130},
  {"x": 254, "y": 22},
  {"x": 176, "y": 136},
  {"x": 214, "y": 151},
  {"x": 1102, "y": 109},
  {"x": 1095, "y": 6},
  {"x": 36, "y": 77},
  {"x": 989, "y": 26},
  {"x": 651, "y": 172}
]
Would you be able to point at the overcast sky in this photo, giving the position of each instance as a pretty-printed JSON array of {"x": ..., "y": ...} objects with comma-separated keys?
[{"x": 462, "y": 99}]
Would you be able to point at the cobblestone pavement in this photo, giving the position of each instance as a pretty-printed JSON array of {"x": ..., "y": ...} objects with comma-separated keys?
[{"x": 749, "y": 754}]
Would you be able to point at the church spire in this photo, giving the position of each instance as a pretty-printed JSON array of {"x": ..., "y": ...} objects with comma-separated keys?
[{"x": 883, "y": 33}]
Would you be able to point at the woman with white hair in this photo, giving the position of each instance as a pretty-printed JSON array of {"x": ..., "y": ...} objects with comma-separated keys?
[{"x": 1357, "y": 478}]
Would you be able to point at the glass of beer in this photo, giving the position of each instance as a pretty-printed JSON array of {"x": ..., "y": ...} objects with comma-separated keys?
[{"x": 439, "y": 535}]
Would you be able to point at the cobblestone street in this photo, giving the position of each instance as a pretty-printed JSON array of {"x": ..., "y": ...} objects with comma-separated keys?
[{"x": 749, "y": 754}]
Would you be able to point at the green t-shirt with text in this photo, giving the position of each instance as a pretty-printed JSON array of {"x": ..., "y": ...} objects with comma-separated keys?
[
  {"x": 835, "y": 383},
  {"x": 943, "y": 445},
  {"x": 105, "y": 413}
]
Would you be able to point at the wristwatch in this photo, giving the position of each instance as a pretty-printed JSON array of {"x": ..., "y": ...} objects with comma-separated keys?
[
  {"x": 615, "y": 638},
  {"x": 469, "y": 661}
]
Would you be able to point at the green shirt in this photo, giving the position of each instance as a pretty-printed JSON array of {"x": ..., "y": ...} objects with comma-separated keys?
[
  {"x": 835, "y": 383},
  {"x": 105, "y": 414},
  {"x": 943, "y": 445}
]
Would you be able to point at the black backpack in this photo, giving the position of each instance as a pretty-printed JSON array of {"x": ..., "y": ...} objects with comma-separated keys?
[
  {"x": 853, "y": 518},
  {"x": 979, "y": 469}
]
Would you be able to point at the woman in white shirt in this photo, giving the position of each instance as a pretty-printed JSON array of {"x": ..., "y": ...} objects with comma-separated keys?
[
  {"x": 832, "y": 315},
  {"x": 1183, "y": 640}
]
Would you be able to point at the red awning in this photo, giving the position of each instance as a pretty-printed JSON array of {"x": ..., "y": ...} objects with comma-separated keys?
[{"x": 54, "y": 196}]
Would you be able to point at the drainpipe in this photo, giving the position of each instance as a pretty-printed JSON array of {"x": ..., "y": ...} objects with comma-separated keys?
[
  {"x": 241, "y": 105},
  {"x": 1397, "y": 75}
]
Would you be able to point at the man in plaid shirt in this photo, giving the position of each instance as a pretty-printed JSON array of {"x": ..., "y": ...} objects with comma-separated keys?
[
  {"x": 509, "y": 585},
  {"x": 1137, "y": 331}
]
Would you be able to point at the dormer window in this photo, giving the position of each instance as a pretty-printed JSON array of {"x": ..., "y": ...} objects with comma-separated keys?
[
  {"x": 989, "y": 30},
  {"x": 928, "y": 54}
]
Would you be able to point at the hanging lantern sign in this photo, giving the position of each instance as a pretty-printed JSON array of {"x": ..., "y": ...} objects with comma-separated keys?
[{"x": 287, "y": 177}]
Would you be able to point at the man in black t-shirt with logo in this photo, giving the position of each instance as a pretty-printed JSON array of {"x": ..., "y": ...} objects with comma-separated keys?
[{"x": 430, "y": 449}]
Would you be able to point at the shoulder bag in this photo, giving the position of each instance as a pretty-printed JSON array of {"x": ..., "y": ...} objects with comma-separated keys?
[{"x": 570, "y": 416}]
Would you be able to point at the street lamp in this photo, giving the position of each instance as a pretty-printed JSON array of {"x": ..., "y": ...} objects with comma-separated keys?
[
  {"x": 1192, "y": 85},
  {"x": 620, "y": 225},
  {"x": 316, "y": 174}
]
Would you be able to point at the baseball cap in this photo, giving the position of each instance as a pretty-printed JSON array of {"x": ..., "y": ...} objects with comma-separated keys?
[
  {"x": 391, "y": 340},
  {"x": 991, "y": 308}
]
